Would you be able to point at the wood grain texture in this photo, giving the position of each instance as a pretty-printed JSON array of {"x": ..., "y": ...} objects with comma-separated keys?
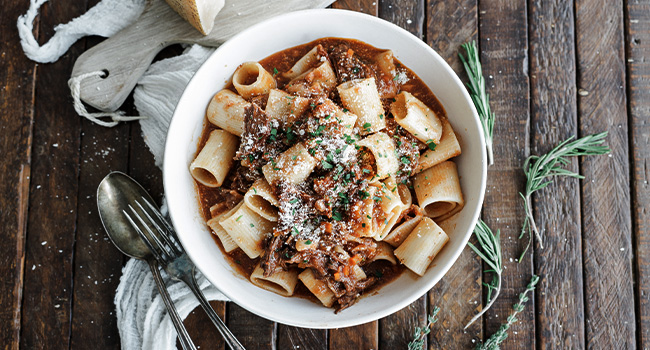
[
  {"x": 252, "y": 331},
  {"x": 365, "y": 6},
  {"x": 17, "y": 86},
  {"x": 301, "y": 338},
  {"x": 607, "y": 253},
  {"x": 450, "y": 24},
  {"x": 97, "y": 263},
  {"x": 202, "y": 331},
  {"x": 396, "y": 330},
  {"x": 559, "y": 298},
  {"x": 364, "y": 336},
  {"x": 406, "y": 14},
  {"x": 52, "y": 218},
  {"x": 504, "y": 55},
  {"x": 459, "y": 293},
  {"x": 638, "y": 81}
]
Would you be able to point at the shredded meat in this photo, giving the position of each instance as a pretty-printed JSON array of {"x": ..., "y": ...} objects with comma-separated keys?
[{"x": 261, "y": 141}]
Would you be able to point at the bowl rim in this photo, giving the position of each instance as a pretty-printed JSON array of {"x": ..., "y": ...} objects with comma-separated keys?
[{"x": 385, "y": 310}]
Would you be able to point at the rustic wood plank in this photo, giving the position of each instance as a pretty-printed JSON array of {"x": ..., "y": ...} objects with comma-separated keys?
[
  {"x": 365, "y": 6},
  {"x": 406, "y": 14},
  {"x": 97, "y": 263},
  {"x": 17, "y": 81},
  {"x": 396, "y": 330},
  {"x": 204, "y": 334},
  {"x": 301, "y": 338},
  {"x": 638, "y": 67},
  {"x": 504, "y": 54},
  {"x": 450, "y": 24},
  {"x": 459, "y": 293},
  {"x": 252, "y": 331},
  {"x": 363, "y": 336},
  {"x": 53, "y": 197},
  {"x": 607, "y": 253},
  {"x": 559, "y": 302}
]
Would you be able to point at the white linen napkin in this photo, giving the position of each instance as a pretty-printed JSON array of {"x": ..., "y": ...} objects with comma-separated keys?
[{"x": 142, "y": 319}]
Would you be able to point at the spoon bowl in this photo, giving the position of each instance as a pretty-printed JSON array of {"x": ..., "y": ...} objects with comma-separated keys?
[{"x": 114, "y": 194}]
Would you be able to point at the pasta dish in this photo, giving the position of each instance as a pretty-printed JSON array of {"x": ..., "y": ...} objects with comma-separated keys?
[{"x": 324, "y": 170}]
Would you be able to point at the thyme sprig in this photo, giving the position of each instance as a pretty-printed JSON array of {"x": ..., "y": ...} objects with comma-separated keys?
[
  {"x": 490, "y": 252},
  {"x": 540, "y": 171},
  {"x": 420, "y": 333},
  {"x": 497, "y": 338},
  {"x": 477, "y": 91}
]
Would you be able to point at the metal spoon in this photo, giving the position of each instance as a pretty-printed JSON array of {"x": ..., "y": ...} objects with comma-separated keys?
[{"x": 114, "y": 194}]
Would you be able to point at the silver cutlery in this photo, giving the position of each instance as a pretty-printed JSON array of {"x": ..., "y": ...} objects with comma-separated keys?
[
  {"x": 163, "y": 243},
  {"x": 115, "y": 195}
]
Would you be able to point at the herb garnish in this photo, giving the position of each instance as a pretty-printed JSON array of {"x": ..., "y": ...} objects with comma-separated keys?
[
  {"x": 540, "y": 171},
  {"x": 490, "y": 252},
  {"x": 477, "y": 91},
  {"x": 420, "y": 333},
  {"x": 497, "y": 338}
]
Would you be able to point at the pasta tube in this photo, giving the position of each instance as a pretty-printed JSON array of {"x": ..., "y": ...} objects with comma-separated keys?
[
  {"x": 417, "y": 118},
  {"x": 251, "y": 79},
  {"x": 438, "y": 191},
  {"x": 212, "y": 164},
  {"x": 421, "y": 246}
]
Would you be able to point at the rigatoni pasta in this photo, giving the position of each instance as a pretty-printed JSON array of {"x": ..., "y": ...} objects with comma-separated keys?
[
  {"x": 226, "y": 110},
  {"x": 280, "y": 282},
  {"x": 331, "y": 171},
  {"x": 251, "y": 79},
  {"x": 438, "y": 190},
  {"x": 215, "y": 159},
  {"x": 247, "y": 229},
  {"x": 447, "y": 148},
  {"x": 421, "y": 246},
  {"x": 362, "y": 98},
  {"x": 414, "y": 116}
]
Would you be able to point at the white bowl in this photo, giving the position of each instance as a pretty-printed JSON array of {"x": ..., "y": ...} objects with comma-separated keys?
[{"x": 260, "y": 41}]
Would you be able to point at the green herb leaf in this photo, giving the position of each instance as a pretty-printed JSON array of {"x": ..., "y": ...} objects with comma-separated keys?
[
  {"x": 477, "y": 91},
  {"x": 540, "y": 172}
]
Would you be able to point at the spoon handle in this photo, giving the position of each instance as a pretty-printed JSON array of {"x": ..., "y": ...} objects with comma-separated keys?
[
  {"x": 225, "y": 332},
  {"x": 183, "y": 336}
]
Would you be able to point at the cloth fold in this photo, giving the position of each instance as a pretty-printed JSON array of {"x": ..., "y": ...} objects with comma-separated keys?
[{"x": 142, "y": 319}]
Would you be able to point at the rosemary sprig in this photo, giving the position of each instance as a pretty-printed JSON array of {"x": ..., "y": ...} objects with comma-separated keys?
[
  {"x": 490, "y": 252},
  {"x": 420, "y": 333},
  {"x": 540, "y": 170},
  {"x": 476, "y": 87},
  {"x": 497, "y": 338}
]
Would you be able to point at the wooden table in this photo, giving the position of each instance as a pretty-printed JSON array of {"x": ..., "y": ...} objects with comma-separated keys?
[{"x": 555, "y": 68}]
